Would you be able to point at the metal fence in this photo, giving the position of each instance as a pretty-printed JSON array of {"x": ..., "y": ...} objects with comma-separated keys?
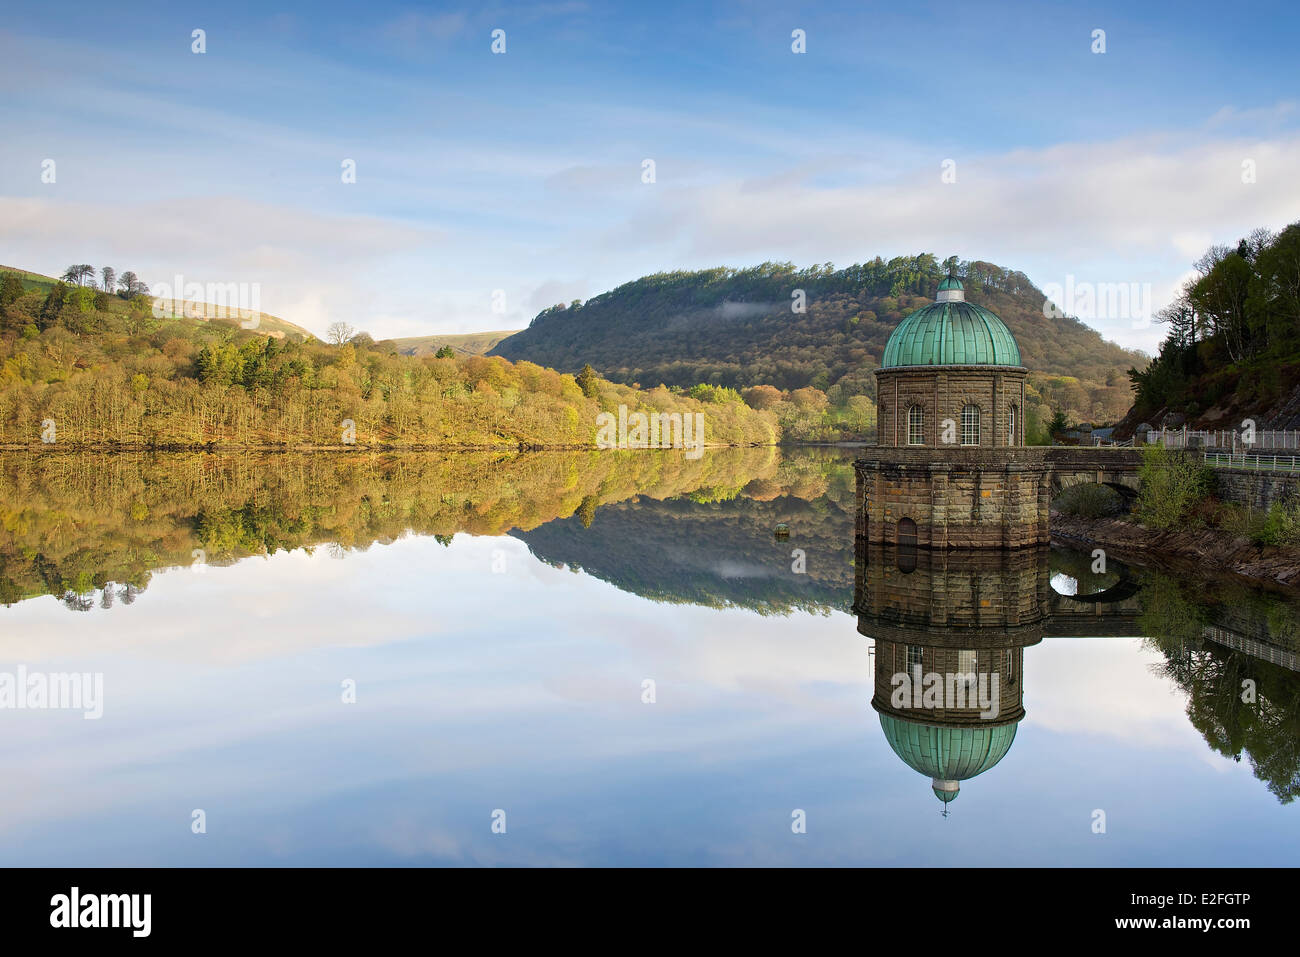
[
  {"x": 1253, "y": 460},
  {"x": 1225, "y": 439}
]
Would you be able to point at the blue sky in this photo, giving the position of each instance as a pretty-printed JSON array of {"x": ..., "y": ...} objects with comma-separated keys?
[{"x": 521, "y": 172}]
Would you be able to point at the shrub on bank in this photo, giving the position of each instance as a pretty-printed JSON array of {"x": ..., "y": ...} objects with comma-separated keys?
[
  {"x": 1088, "y": 501},
  {"x": 1173, "y": 484},
  {"x": 1281, "y": 525}
]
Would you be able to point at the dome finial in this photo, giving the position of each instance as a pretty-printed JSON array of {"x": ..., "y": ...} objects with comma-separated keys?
[{"x": 951, "y": 289}]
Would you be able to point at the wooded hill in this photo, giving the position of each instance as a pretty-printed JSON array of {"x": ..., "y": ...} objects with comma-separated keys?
[
  {"x": 1233, "y": 349},
  {"x": 736, "y": 327}
]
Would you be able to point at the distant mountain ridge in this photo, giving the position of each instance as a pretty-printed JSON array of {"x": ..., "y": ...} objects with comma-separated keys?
[{"x": 740, "y": 327}]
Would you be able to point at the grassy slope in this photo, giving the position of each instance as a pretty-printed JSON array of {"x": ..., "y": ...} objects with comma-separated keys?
[
  {"x": 468, "y": 344},
  {"x": 268, "y": 324}
]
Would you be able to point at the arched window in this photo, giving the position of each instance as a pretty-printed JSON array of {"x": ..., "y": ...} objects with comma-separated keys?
[
  {"x": 915, "y": 426},
  {"x": 1012, "y": 435},
  {"x": 970, "y": 425},
  {"x": 906, "y": 532}
]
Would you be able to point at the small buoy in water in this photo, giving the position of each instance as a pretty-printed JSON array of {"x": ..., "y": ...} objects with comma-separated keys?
[{"x": 782, "y": 532}]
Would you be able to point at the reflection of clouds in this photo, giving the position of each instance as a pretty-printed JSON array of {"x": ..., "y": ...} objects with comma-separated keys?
[
  {"x": 523, "y": 691},
  {"x": 222, "y": 689},
  {"x": 1105, "y": 686},
  {"x": 1064, "y": 584}
]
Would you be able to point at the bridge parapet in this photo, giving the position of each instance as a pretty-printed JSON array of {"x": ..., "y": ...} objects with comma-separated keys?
[{"x": 1079, "y": 457}]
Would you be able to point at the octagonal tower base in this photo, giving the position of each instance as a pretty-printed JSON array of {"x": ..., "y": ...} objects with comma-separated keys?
[{"x": 953, "y": 498}]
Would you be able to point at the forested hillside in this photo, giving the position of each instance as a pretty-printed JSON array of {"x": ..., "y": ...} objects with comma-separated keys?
[
  {"x": 82, "y": 367},
  {"x": 1233, "y": 349},
  {"x": 738, "y": 327}
]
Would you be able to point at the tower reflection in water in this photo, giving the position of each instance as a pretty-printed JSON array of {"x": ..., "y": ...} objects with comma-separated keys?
[{"x": 950, "y": 629}]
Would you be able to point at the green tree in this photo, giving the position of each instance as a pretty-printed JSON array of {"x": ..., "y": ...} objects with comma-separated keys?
[
  {"x": 52, "y": 306},
  {"x": 1058, "y": 423},
  {"x": 587, "y": 380},
  {"x": 11, "y": 287},
  {"x": 1172, "y": 485}
]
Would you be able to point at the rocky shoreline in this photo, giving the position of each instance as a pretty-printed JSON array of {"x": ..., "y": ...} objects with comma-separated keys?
[{"x": 1200, "y": 549}]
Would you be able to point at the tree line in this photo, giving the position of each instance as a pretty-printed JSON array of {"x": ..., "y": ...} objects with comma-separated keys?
[
  {"x": 127, "y": 285},
  {"x": 106, "y": 372}
]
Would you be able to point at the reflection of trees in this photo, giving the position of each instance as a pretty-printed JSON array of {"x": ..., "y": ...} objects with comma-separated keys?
[
  {"x": 71, "y": 524},
  {"x": 1176, "y": 614}
]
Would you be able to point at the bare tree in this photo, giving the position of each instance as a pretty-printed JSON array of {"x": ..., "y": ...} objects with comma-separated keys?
[
  {"x": 79, "y": 273},
  {"x": 130, "y": 285},
  {"x": 339, "y": 333},
  {"x": 109, "y": 275}
]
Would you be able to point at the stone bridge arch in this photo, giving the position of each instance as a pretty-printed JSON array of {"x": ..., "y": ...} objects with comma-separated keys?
[
  {"x": 1115, "y": 468},
  {"x": 1126, "y": 484}
]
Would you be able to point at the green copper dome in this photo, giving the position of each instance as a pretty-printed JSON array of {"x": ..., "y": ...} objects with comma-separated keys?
[
  {"x": 948, "y": 754},
  {"x": 951, "y": 331}
]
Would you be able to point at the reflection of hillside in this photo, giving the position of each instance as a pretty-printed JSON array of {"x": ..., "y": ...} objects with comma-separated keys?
[
  {"x": 72, "y": 523},
  {"x": 713, "y": 553}
]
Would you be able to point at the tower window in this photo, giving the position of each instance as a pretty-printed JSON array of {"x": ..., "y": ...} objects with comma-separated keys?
[
  {"x": 915, "y": 426},
  {"x": 966, "y": 668},
  {"x": 970, "y": 425},
  {"x": 1011, "y": 427}
]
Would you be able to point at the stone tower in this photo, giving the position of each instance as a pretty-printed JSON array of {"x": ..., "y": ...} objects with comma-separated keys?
[{"x": 950, "y": 468}]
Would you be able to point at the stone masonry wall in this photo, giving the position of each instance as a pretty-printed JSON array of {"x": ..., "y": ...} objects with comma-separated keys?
[
  {"x": 942, "y": 393},
  {"x": 1255, "y": 489},
  {"x": 966, "y": 497}
]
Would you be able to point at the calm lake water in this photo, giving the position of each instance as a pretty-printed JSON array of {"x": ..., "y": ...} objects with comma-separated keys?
[{"x": 503, "y": 624}]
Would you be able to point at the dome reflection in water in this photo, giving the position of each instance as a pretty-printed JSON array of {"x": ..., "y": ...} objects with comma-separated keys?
[{"x": 950, "y": 629}]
